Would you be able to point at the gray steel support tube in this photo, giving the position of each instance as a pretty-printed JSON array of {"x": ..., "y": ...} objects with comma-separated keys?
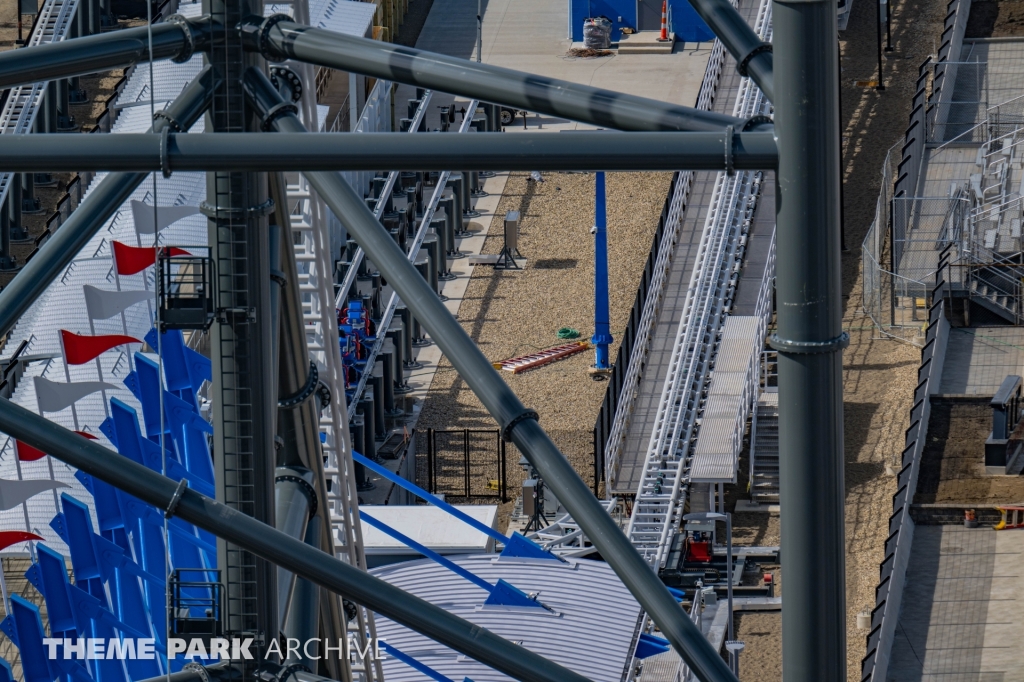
[
  {"x": 102, "y": 202},
  {"x": 298, "y": 426},
  {"x": 810, "y": 339},
  {"x": 302, "y": 619},
  {"x": 176, "y": 38},
  {"x": 294, "y": 497},
  {"x": 753, "y": 56},
  {"x": 516, "y": 421},
  {"x": 279, "y": 38},
  {"x": 584, "y": 151},
  {"x": 309, "y": 562}
]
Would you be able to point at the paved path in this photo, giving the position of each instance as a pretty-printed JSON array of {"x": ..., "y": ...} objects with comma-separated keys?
[
  {"x": 978, "y": 359},
  {"x": 963, "y": 608}
]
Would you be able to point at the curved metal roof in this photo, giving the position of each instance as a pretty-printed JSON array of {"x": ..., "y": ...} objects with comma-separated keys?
[{"x": 590, "y": 625}]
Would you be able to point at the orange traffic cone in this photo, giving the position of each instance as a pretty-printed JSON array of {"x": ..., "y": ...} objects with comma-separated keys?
[{"x": 663, "y": 38}]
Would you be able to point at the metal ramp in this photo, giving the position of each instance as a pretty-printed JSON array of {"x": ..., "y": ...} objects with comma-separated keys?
[{"x": 730, "y": 392}]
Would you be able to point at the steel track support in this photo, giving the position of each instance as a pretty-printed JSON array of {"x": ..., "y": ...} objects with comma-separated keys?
[
  {"x": 244, "y": 382},
  {"x": 810, "y": 339}
]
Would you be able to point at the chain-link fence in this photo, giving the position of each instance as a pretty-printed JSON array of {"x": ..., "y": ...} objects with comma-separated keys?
[{"x": 900, "y": 254}]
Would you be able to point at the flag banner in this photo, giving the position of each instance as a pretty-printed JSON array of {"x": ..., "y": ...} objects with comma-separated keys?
[
  {"x": 13, "y": 493},
  {"x": 130, "y": 260},
  {"x": 27, "y": 453},
  {"x": 54, "y": 396},
  {"x": 80, "y": 348},
  {"x": 142, "y": 213},
  {"x": 13, "y": 537},
  {"x": 102, "y": 304}
]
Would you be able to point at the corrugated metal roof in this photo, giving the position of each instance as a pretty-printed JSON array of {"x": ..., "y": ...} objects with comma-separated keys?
[{"x": 591, "y": 632}]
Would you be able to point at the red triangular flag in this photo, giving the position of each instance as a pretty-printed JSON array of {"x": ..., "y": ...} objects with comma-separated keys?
[
  {"x": 129, "y": 260},
  {"x": 80, "y": 349},
  {"x": 27, "y": 453},
  {"x": 13, "y": 537}
]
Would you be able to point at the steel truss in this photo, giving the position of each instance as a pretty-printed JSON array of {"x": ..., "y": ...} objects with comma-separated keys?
[{"x": 808, "y": 340}]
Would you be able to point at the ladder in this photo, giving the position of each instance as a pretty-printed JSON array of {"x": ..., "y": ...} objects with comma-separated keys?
[
  {"x": 661, "y": 494},
  {"x": 541, "y": 358},
  {"x": 764, "y": 449},
  {"x": 23, "y": 102}
]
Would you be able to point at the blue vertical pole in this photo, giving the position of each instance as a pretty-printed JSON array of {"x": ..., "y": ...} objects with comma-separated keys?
[{"x": 602, "y": 333}]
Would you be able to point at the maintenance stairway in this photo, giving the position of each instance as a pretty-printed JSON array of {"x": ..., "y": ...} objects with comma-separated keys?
[
  {"x": 764, "y": 450},
  {"x": 696, "y": 196}
]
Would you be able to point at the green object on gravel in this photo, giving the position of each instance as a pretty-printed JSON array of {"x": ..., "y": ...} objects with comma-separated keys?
[{"x": 568, "y": 333}]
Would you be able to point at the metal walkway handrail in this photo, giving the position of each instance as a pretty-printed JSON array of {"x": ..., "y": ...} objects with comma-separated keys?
[
  {"x": 662, "y": 489},
  {"x": 673, "y": 221},
  {"x": 414, "y": 248}
]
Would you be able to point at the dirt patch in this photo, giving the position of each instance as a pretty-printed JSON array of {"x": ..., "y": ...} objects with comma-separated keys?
[
  {"x": 995, "y": 19},
  {"x": 953, "y": 461}
]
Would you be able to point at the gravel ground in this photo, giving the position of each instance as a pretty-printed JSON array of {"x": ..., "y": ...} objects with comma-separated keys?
[
  {"x": 510, "y": 313},
  {"x": 952, "y": 464}
]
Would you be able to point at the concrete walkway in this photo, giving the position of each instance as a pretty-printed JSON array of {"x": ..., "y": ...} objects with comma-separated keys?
[
  {"x": 978, "y": 359},
  {"x": 530, "y": 35},
  {"x": 963, "y": 608}
]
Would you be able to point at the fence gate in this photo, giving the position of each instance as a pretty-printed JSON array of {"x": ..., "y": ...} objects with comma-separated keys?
[{"x": 465, "y": 463}]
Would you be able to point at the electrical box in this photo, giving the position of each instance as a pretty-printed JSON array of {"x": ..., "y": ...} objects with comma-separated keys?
[
  {"x": 529, "y": 497},
  {"x": 512, "y": 231}
]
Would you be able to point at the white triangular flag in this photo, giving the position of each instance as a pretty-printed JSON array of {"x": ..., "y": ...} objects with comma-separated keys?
[
  {"x": 13, "y": 493},
  {"x": 165, "y": 215},
  {"x": 101, "y": 304},
  {"x": 52, "y": 396}
]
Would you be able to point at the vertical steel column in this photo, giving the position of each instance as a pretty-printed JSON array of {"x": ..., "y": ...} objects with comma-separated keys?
[
  {"x": 241, "y": 340},
  {"x": 810, "y": 340},
  {"x": 602, "y": 329},
  {"x": 298, "y": 427},
  {"x": 50, "y": 108}
]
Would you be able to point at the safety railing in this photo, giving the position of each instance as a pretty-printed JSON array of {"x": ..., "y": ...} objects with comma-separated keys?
[
  {"x": 620, "y": 399},
  {"x": 414, "y": 248},
  {"x": 23, "y": 102},
  {"x": 375, "y": 118},
  {"x": 662, "y": 490},
  {"x": 752, "y": 383}
]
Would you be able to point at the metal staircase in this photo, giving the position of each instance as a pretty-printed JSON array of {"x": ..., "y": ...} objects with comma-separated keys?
[
  {"x": 661, "y": 495},
  {"x": 764, "y": 449}
]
